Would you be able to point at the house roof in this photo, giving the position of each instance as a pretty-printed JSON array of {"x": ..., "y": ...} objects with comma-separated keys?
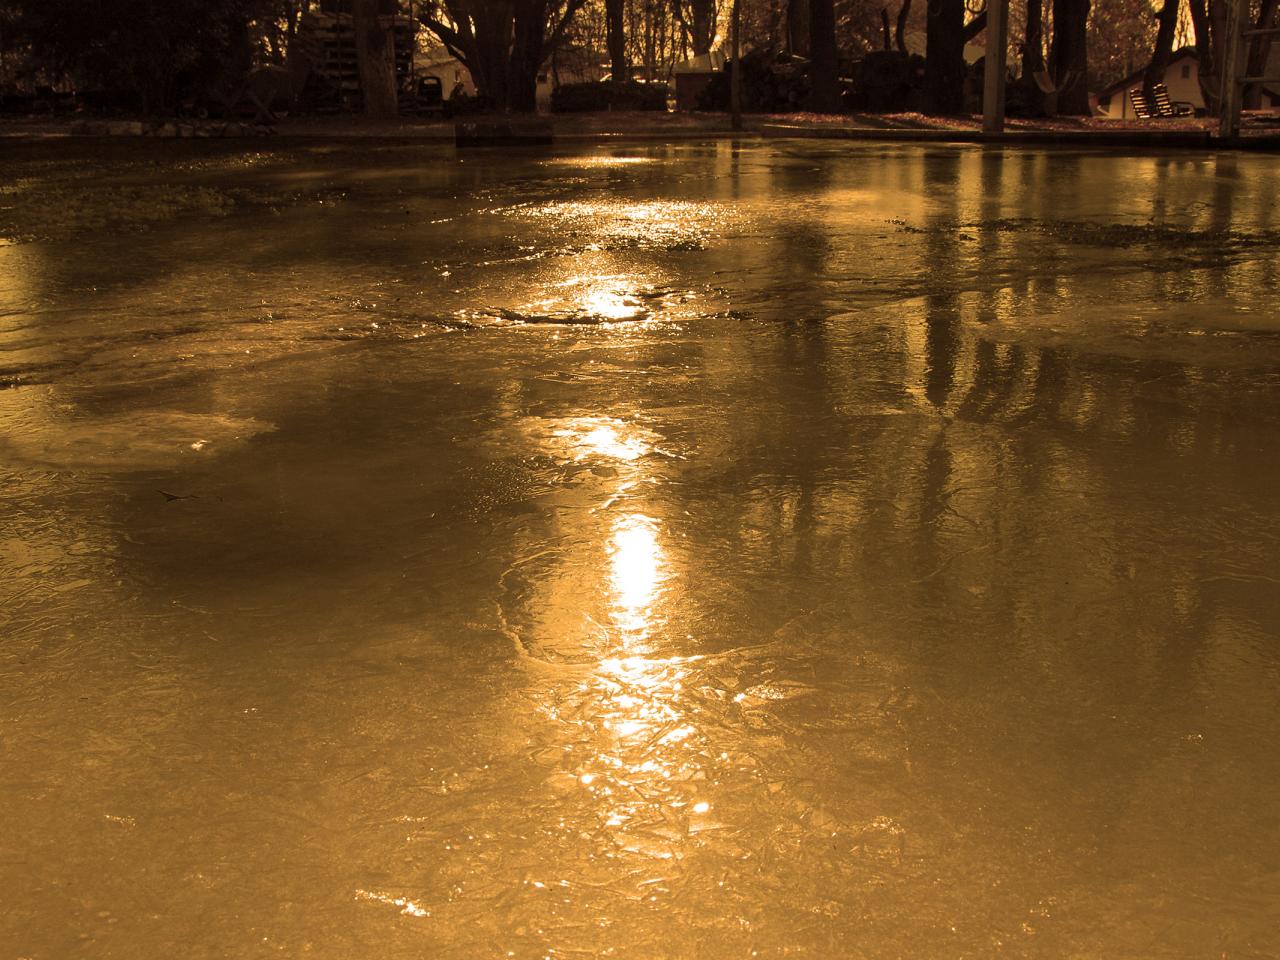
[{"x": 1183, "y": 53}]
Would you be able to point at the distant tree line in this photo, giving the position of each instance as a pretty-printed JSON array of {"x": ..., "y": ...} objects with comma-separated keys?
[{"x": 160, "y": 50}]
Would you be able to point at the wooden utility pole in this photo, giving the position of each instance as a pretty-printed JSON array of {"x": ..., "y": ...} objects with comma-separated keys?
[
  {"x": 735, "y": 78},
  {"x": 995, "y": 66}
]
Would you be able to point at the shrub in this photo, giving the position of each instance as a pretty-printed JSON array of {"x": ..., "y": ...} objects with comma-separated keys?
[
  {"x": 771, "y": 83},
  {"x": 886, "y": 81},
  {"x": 608, "y": 95}
]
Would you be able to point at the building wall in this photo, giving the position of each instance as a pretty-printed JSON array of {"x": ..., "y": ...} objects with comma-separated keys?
[{"x": 1182, "y": 78}]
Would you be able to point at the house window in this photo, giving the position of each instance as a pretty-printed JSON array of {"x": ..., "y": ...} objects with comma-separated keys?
[{"x": 1186, "y": 71}]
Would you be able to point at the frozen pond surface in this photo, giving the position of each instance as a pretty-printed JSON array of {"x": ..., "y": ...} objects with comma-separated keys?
[{"x": 707, "y": 551}]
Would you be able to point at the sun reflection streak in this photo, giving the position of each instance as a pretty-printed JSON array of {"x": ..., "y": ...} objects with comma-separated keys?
[
  {"x": 596, "y": 436},
  {"x": 668, "y": 224},
  {"x": 612, "y": 305},
  {"x": 589, "y": 162},
  {"x": 638, "y": 758},
  {"x": 649, "y": 767},
  {"x": 636, "y": 572}
]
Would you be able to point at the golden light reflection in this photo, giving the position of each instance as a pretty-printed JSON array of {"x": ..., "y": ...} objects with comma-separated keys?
[
  {"x": 668, "y": 224},
  {"x": 604, "y": 437},
  {"x": 636, "y": 572},
  {"x": 607, "y": 298},
  {"x": 636, "y": 755},
  {"x": 649, "y": 770},
  {"x": 590, "y": 162},
  {"x": 603, "y": 299},
  {"x": 613, "y": 305}
]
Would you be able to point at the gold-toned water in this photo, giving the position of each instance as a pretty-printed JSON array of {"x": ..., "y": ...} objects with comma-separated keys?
[{"x": 722, "y": 550}]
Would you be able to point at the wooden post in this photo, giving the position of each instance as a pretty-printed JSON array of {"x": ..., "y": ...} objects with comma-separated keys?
[
  {"x": 735, "y": 78},
  {"x": 1230, "y": 89},
  {"x": 995, "y": 66}
]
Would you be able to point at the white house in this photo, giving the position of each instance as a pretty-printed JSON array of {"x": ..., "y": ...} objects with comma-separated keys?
[{"x": 1182, "y": 77}]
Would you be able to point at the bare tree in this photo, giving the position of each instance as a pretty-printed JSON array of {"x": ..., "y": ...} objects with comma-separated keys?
[
  {"x": 698, "y": 19},
  {"x": 502, "y": 43}
]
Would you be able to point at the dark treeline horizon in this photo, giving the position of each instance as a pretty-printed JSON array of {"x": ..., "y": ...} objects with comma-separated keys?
[{"x": 162, "y": 53}]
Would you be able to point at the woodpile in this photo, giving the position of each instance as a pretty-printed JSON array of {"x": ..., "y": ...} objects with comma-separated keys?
[{"x": 771, "y": 83}]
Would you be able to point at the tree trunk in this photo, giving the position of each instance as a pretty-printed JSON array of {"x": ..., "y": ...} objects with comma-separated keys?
[
  {"x": 529, "y": 33},
  {"x": 944, "y": 67},
  {"x": 899, "y": 30},
  {"x": 1069, "y": 56},
  {"x": 1207, "y": 62},
  {"x": 1168, "y": 25},
  {"x": 503, "y": 43},
  {"x": 798, "y": 27},
  {"x": 376, "y": 60},
  {"x": 1033, "y": 44},
  {"x": 735, "y": 78},
  {"x": 824, "y": 86},
  {"x": 1259, "y": 54},
  {"x": 616, "y": 39},
  {"x": 776, "y": 41},
  {"x": 1033, "y": 56}
]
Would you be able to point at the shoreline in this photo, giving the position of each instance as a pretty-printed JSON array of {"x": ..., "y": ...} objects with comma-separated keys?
[{"x": 1194, "y": 134}]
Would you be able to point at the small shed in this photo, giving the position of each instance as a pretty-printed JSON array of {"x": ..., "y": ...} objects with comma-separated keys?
[{"x": 693, "y": 75}]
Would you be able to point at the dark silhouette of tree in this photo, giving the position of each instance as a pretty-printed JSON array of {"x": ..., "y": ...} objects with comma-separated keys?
[
  {"x": 375, "y": 59},
  {"x": 698, "y": 20},
  {"x": 944, "y": 57},
  {"x": 1069, "y": 56},
  {"x": 503, "y": 43},
  {"x": 158, "y": 50},
  {"x": 1167, "y": 19},
  {"x": 798, "y": 27},
  {"x": 824, "y": 88},
  {"x": 1033, "y": 39},
  {"x": 1207, "y": 21},
  {"x": 616, "y": 38},
  {"x": 900, "y": 28}
]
